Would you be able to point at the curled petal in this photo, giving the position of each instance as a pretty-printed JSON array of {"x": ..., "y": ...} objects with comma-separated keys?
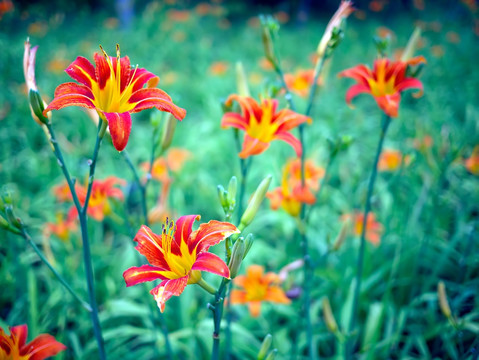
[
  {"x": 167, "y": 289},
  {"x": 291, "y": 140},
  {"x": 210, "y": 262},
  {"x": 149, "y": 245},
  {"x": 234, "y": 120},
  {"x": 82, "y": 71},
  {"x": 42, "y": 347},
  {"x": 355, "y": 90},
  {"x": 210, "y": 234},
  {"x": 120, "y": 127},
  {"x": 409, "y": 83},
  {"x": 252, "y": 146},
  {"x": 360, "y": 73},
  {"x": 140, "y": 274},
  {"x": 71, "y": 94},
  {"x": 141, "y": 77},
  {"x": 153, "y": 97},
  {"x": 184, "y": 226}
]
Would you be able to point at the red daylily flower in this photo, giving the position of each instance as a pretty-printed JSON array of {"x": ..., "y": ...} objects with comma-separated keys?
[
  {"x": 374, "y": 229},
  {"x": 385, "y": 82},
  {"x": 14, "y": 347},
  {"x": 391, "y": 160},
  {"x": 301, "y": 81},
  {"x": 114, "y": 90},
  {"x": 472, "y": 163},
  {"x": 263, "y": 124},
  {"x": 178, "y": 255},
  {"x": 62, "y": 228},
  {"x": 256, "y": 288}
]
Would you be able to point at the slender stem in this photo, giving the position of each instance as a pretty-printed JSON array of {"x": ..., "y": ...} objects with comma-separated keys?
[
  {"x": 312, "y": 92},
  {"x": 244, "y": 166},
  {"x": 359, "y": 267},
  {"x": 60, "y": 278},
  {"x": 84, "y": 228},
  {"x": 142, "y": 187},
  {"x": 217, "y": 309}
]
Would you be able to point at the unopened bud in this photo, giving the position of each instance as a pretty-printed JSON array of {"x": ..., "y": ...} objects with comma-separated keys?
[
  {"x": 12, "y": 219},
  {"x": 249, "y": 240},
  {"x": 3, "y": 223},
  {"x": 222, "y": 197},
  {"x": 272, "y": 354},
  {"x": 443, "y": 302},
  {"x": 411, "y": 45},
  {"x": 231, "y": 195},
  {"x": 268, "y": 25},
  {"x": 263, "y": 351},
  {"x": 329, "y": 319},
  {"x": 237, "y": 256},
  {"x": 255, "y": 203},
  {"x": 2, "y": 204},
  {"x": 339, "y": 241},
  {"x": 241, "y": 82},
  {"x": 168, "y": 132},
  {"x": 7, "y": 196},
  {"x": 37, "y": 106}
]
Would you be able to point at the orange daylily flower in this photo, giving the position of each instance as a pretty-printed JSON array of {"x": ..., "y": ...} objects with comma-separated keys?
[
  {"x": 291, "y": 194},
  {"x": 219, "y": 68},
  {"x": 101, "y": 193},
  {"x": 424, "y": 143},
  {"x": 262, "y": 124},
  {"x": 14, "y": 346},
  {"x": 374, "y": 229},
  {"x": 301, "y": 81},
  {"x": 62, "y": 228},
  {"x": 472, "y": 163},
  {"x": 178, "y": 255},
  {"x": 391, "y": 160},
  {"x": 62, "y": 192},
  {"x": 178, "y": 15},
  {"x": 5, "y": 7},
  {"x": 385, "y": 82},
  {"x": 173, "y": 161},
  {"x": 114, "y": 90},
  {"x": 256, "y": 288}
]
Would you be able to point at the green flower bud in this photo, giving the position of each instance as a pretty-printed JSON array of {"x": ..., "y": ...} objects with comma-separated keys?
[
  {"x": 248, "y": 243},
  {"x": 241, "y": 80},
  {"x": 168, "y": 132},
  {"x": 329, "y": 319},
  {"x": 268, "y": 339},
  {"x": 255, "y": 203},
  {"x": 231, "y": 195},
  {"x": 3, "y": 223},
  {"x": 272, "y": 354},
  {"x": 37, "y": 106},
  {"x": 237, "y": 256},
  {"x": 12, "y": 219}
]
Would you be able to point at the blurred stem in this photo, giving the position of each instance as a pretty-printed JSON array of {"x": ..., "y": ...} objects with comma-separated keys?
[
  {"x": 244, "y": 167},
  {"x": 217, "y": 309},
  {"x": 82, "y": 214},
  {"x": 142, "y": 187},
  {"x": 349, "y": 345},
  {"x": 60, "y": 278},
  {"x": 312, "y": 92}
]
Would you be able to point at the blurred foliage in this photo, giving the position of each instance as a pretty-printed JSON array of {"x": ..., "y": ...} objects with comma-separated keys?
[{"x": 429, "y": 209}]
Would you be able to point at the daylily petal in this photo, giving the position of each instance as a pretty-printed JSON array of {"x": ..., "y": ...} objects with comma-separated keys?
[
  {"x": 120, "y": 127},
  {"x": 184, "y": 226},
  {"x": 42, "y": 347},
  {"x": 355, "y": 90},
  {"x": 140, "y": 78},
  {"x": 277, "y": 295},
  {"x": 20, "y": 332},
  {"x": 167, "y": 289},
  {"x": 289, "y": 119},
  {"x": 149, "y": 245},
  {"x": 125, "y": 71},
  {"x": 389, "y": 104},
  {"x": 153, "y": 97},
  {"x": 210, "y": 234},
  {"x": 252, "y": 146},
  {"x": 140, "y": 274},
  {"x": 211, "y": 263},
  {"x": 409, "y": 83},
  {"x": 72, "y": 95},
  {"x": 82, "y": 71},
  {"x": 102, "y": 70},
  {"x": 254, "y": 308},
  {"x": 238, "y": 296},
  {"x": 234, "y": 120},
  {"x": 291, "y": 140}
]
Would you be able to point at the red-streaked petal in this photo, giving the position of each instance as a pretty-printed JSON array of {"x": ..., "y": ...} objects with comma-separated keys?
[
  {"x": 355, "y": 90},
  {"x": 167, "y": 289},
  {"x": 82, "y": 71},
  {"x": 72, "y": 95},
  {"x": 360, "y": 73},
  {"x": 125, "y": 71},
  {"x": 102, "y": 70},
  {"x": 153, "y": 97},
  {"x": 289, "y": 119},
  {"x": 409, "y": 83},
  {"x": 42, "y": 347},
  {"x": 149, "y": 245},
  {"x": 140, "y": 274},
  {"x": 140, "y": 78},
  {"x": 72, "y": 88},
  {"x": 20, "y": 332},
  {"x": 234, "y": 120},
  {"x": 120, "y": 127},
  {"x": 184, "y": 226},
  {"x": 291, "y": 140},
  {"x": 389, "y": 104},
  {"x": 210, "y": 262},
  {"x": 252, "y": 146},
  {"x": 210, "y": 234},
  {"x": 248, "y": 105}
]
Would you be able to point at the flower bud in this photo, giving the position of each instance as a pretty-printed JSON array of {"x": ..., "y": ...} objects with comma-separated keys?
[
  {"x": 332, "y": 34},
  {"x": 329, "y": 319},
  {"x": 168, "y": 131},
  {"x": 269, "y": 25},
  {"x": 37, "y": 105},
  {"x": 231, "y": 194},
  {"x": 241, "y": 82},
  {"x": 272, "y": 354},
  {"x": 3, "y": 223},
  {"x": 341, "y": 236},
  {"x": 263, "y": 351},
  {"x": 237, "y": 256},
  {"x": 248, "y": 241},
  {"x": 443, "y": 302},
  {"x": 255, "y": 203},
  {"x": 411, "y": 45},
  {"x": 12, "y": 219},
  {"x": 222, "y": 194}
]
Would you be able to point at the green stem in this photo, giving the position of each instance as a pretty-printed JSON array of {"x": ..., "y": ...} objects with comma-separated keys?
[
  {"x": 244, "y": 166},
  {"x": 349, "y": 345},
  {"x": 142, "y": 187},
  {"x": 217, "y": 309},
  {"x": 60, "y": 278},
  {"x": 312, "y": 92},
  {"x": 84, "y": 228}
]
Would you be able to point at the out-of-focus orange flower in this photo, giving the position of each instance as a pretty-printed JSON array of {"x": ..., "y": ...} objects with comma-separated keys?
[
  {"x": 173, "y": 161},
  {"x": 472, "y": 163},
  {"x": 391, "y": 160},
  {"x": 253, "y": 22},
  {"x": 62, "y": 192},
  {"x": 255, "y": 78},
  {"x": 301, "y": 81},
  {"x": 471, "y": 4},
  {"x": 102, "y": 191},
  {"x": 424, "y": 143},
  {"x": 419, "y": 4},
  {"x": 385, "y": 82},
  {"x": 14, "y": 346},
  {"x": 57, "y": 65},
  {"x": 257, "y": 287},
  {"x": 373, "y": 228},
  {"x": 219, "y": 68},
  {"x": 377, "y": 5},
  {"x": 114, "y": 89},
  {"x": 38, "y": 28},
  {"x": 291, "y": 194},
  {"x": 453, "y": 37},
  {"x": 179, "y": 36},
  {"x": 62, "y": 228},
  {"x": 111, "y": 23},
  {"x": 435, "y": 26},
  {"x": 360, "y": 15},
  {"x": 384, "y": 32},
  {"x": 262, "y": 124},
  {"x": 437, "y": 51},
  {"x": 6, "y": 6},
  {"x": 282, "y": 17},
  {"x": 178, "y": 255},
  {"x": 265, "y": 64},
  {"x": 203, "y": 9},
  {"x": 178, "y": 15}
]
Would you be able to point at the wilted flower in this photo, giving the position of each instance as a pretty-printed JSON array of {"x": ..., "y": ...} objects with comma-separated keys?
[
  {"x": 391, "y": 160},
  {"x": 373, "y": 228},
  {"x": 385, "y": 82},
  {"x": 472, "y": 163},
  {"x": 14, "y": 347},
  {"x": 300, "y": 82},
  {"x": 262, "y": 124},
  {"x": 256, "y": 288},
  {"x": 178, "y": 255},
  {"x": 114, "y": 90}
]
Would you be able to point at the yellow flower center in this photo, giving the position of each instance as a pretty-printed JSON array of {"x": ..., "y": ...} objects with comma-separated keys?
[{"x": 263, "y": 129}]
